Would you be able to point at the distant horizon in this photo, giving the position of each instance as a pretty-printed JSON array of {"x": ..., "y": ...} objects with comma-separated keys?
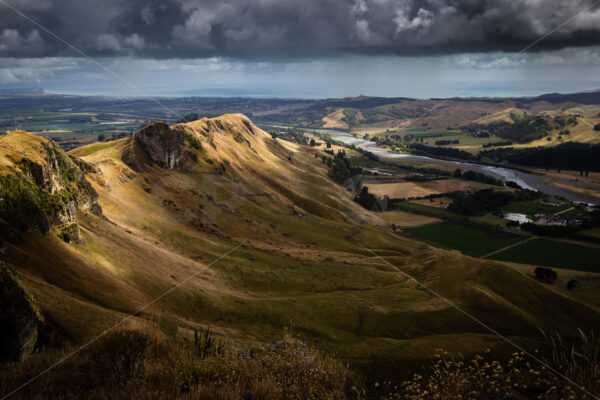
[{"x": 219, "y": 93}]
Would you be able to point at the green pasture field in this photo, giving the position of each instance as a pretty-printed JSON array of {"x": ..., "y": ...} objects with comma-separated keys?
[
  {"x": 472, "y": 241},
  {"x": 531, "y": 208},
  {"x": 552, "y": 253}
]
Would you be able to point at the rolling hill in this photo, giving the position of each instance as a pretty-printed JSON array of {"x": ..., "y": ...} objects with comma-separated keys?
[{"x": 249, "y": 237}]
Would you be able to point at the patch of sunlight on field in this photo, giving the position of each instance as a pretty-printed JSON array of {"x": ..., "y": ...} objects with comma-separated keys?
[
  {"x": 439, "y": 202},
  {"x": 404, "y": 219},
  {"x": 407, "y": 190}
]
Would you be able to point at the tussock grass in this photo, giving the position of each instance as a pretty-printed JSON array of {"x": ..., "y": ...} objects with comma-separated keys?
[
  {"x": 144, "y": 365},
  {"x": 482, "y": 378}
]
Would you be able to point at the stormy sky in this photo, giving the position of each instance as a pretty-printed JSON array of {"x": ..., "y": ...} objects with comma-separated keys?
[{"x": 302, "y": 48}]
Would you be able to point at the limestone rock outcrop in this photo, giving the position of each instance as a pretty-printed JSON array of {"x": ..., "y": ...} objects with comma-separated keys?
[
  {"x": 41, "y": 186},
  {"x": 163, "y": 145}
]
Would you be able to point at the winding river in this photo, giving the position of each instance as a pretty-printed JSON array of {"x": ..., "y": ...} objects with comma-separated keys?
[{"x": 525, "y": 180}]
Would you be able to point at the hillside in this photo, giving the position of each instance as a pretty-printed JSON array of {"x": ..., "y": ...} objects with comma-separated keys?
[{"x": 175, "y": 199}]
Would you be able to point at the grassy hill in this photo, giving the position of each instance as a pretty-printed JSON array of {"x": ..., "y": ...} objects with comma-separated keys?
[
  {"x": 523, "y": 122},
  {"x": 177, "y": 198}
]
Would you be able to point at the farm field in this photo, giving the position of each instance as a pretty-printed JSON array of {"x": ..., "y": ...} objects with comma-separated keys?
[
  {"x": 405, "y": 189},
  {"x": 469, "y": 240},
  {"x": 578, "y": 189},
  {"x": 593, "y": 177},
  {"x": 438, "y": 202},
  {"x": 435, "y": 212},
  {"x": 531, "y": 208},
  {"x": 595, "y": 232},
  {"x": 490, "y": 219},
  {"x": 404, "y": 219},
  {"x": 552, "y": 253}
]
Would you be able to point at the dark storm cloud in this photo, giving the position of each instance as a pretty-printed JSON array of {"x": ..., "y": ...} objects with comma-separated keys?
[{"x": 291, "y": 28}]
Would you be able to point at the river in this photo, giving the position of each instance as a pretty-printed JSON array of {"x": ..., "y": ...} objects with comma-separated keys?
[{"x": 525, "y": 180}]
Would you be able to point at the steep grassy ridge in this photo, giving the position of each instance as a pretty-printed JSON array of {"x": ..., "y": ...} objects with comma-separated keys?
[{"x": 218, "y": 183}]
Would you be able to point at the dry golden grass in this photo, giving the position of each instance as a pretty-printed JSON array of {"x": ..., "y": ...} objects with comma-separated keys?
[
  {"x": 143, "y": 364},
  {"x": 438, "y": 202},
  {"x": 501, "y": 116},
  {"x": 334, "y": 120},
  {"x": 404, "y": 219},
  {"x": 588, "y": 283},
  {"x": 521, "y": 377},
  {"x": 406, "y": 190},
  {"x": 18, "y": 144},
  {"x": 146, "y": 365},
  {"x": 401, "y": 190}
]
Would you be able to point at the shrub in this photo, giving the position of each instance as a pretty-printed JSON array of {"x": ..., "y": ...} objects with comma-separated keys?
[
  {"x": 370, "y": 201},
  {"x": 70, "y": 233},
  {"x": 206, "y": 345},
  {"x": 479, "y": 202},
  {"x": 545, "y": 274}
]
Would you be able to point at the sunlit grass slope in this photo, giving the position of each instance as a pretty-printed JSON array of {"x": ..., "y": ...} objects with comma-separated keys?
[{"x": 298, "y": 261}]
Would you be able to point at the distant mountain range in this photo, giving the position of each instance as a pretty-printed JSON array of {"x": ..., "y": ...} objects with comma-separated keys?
[{"x": 20, "y": 91}]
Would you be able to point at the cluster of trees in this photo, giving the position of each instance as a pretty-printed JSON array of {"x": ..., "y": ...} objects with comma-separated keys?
[
  {"x": 446, "y": 142},
  {"x": 480, "y": 202},
  {"x": 423, "y": 178},
  {"x": 328, "y": 140},
  {"x": 409, "y": 137},
  {"x": 498, "y": 144},
  {"x": 548, "y": 275},
  {"x": 350, "y": 117},
  {"x": 573, "y": 156},
  {"x": 525, "y": 130},
  {"x": 522, "y": 130},
  {"x": 340, "y": 168},
  {"x": 477, "y": 176},
  {"x": 448, "y": 152},
  {"x": 370, "y": 201},
  {"x": 545, "y": 274},
  {"x": 291, "y": 135},
  {"x": 487, "y": 200},
  {"x": 483, "y": 131},
  {"x": 102, "y": 137}
]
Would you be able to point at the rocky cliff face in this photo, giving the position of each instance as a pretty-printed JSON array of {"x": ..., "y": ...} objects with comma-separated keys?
[
  {"x": 163, "y": 145},
  {"x": 41, "y": 187},
  {"x": 181, "y": 146},
  {"x": 19, "y": 318}
]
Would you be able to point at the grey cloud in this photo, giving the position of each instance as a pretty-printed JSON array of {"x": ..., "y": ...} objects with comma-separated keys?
[
  {"x": 14, "y": 42},
  {"x": 109, "y": 43},
  {"x": 272, "y": 29}
]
